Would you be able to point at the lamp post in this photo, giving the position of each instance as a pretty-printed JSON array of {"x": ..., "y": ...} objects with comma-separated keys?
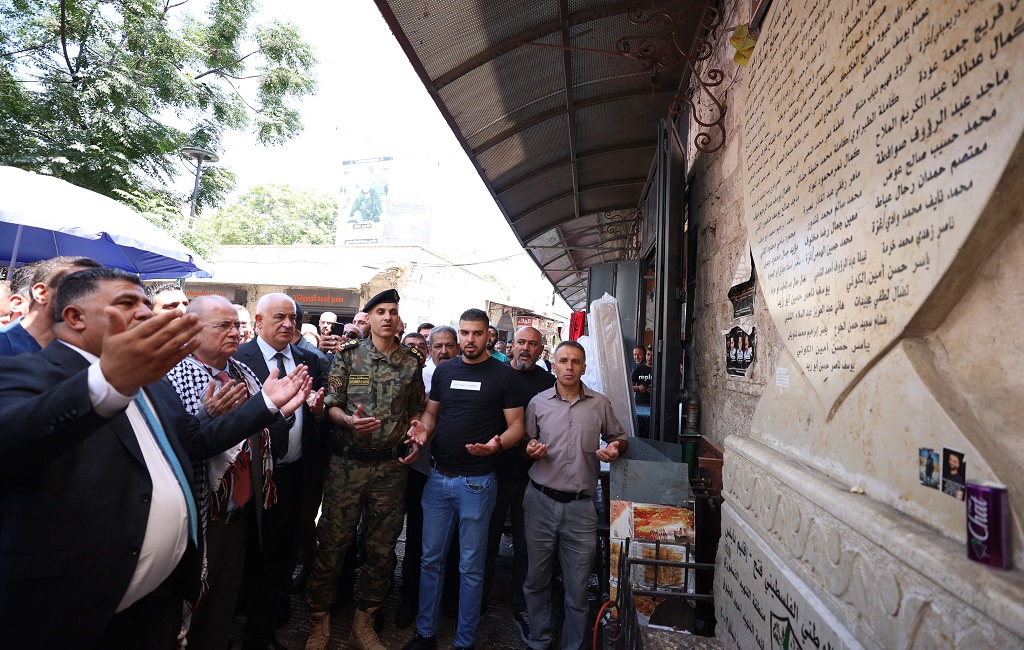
[{"x": 200, "y": 156}]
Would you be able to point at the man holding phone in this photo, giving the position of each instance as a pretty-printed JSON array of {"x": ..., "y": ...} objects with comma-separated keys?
[{"x": 374, "y": 391}]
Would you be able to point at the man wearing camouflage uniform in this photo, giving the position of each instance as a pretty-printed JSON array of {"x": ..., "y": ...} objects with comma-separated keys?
[{"x": 374, "y": 390}]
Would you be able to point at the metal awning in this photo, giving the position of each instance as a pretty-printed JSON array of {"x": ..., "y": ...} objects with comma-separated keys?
[{"x": 557, "y": 103}]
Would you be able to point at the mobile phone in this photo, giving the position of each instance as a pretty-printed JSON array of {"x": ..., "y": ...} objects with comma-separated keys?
[{"x": 338, "y": 329}]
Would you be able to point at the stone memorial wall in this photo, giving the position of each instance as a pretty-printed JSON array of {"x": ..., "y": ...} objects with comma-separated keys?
[
  {"x": 879, "y": 147},
  {"x": 891, "y": 124}
]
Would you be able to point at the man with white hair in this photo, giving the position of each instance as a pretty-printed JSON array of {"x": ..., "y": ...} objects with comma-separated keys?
[
  {"x": 236, "y": 484},
  {"x": 272, "y": 555}
]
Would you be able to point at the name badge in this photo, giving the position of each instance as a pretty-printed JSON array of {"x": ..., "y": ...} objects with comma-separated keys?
[
  {"x": 359, "y": 380},
  {"x": 465, "y": 385}
]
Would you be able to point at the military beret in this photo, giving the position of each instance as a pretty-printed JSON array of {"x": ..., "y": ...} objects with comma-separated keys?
[{"x": 389, "y": 295}]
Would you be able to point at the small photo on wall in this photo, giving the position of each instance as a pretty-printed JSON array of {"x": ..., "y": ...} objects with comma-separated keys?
[
  {"x": 954, "y": 473},
  {"x": 930, "y": 465}
]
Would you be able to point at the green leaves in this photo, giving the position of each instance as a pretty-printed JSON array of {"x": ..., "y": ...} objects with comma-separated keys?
[
  {"x": 104, "y": 94},
  {"x": 274, "y": 214}
]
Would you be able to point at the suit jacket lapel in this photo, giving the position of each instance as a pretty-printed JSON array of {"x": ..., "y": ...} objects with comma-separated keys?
[
  {"x": 251, "y": 355},
  {"x": 71, "y": 361}
]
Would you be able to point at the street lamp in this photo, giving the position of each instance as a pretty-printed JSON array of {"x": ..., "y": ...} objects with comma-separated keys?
[{"x": 200, "y": 156}]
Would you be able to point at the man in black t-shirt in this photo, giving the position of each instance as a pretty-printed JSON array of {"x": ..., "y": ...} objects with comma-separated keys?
[
  {"x": 476, "y": 411},
  {"x": 641, "y": 380},
  {"x": 513, "y": 477}
]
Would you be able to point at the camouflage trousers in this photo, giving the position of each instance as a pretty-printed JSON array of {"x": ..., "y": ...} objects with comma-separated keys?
[{"x": 350, "y": 488}]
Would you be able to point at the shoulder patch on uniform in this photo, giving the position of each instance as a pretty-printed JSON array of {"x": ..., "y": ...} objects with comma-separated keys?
[
  {"x": 419, "y": 355},
  {"x": 349, "y": 344}
]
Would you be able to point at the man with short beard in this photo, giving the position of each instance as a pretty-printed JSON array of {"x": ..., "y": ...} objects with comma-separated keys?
[
  {"x": 513, "y": 478},
  {"x": 492, "y": 340},
  {"x": 477, "y": 411}
]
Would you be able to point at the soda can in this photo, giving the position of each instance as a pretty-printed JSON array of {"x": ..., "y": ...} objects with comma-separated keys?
[{"x": 988, "y": 523}]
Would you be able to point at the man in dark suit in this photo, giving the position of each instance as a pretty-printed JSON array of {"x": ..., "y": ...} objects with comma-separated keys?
[
  {"x": 99, "y": 531},
  {"x": 268, "y": 569}
]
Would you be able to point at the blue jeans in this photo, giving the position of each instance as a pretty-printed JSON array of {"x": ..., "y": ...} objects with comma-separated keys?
[{"x": 449, "y": 501}]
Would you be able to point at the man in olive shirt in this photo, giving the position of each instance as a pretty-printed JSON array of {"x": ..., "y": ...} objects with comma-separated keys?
[
  {"x": 375, "y": 389},
  {"x": 565, "y": 425}
]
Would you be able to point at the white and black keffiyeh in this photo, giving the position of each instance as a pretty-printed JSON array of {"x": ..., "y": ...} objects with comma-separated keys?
[{"x": 191, "y": 379}]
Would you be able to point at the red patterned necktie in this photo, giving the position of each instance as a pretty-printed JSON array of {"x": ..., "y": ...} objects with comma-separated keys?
[{"x": 241, "y": 485}]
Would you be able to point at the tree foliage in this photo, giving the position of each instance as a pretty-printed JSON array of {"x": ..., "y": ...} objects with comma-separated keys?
[
  {"x": 274, "y": 214},
  {"x": 105, "y": 93}
]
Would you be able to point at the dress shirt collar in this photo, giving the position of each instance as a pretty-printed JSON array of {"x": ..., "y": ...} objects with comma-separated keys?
[
  {"x": 269, "y": 352},
  {"x": 89, "y": 356},
  {"x": 557, "y": 395}
]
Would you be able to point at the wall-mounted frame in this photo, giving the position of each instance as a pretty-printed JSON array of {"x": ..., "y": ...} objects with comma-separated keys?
[{"x": 758, "y": 8}]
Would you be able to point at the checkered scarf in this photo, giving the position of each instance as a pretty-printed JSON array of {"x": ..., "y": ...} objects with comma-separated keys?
[{"x": 191, "y": 379}]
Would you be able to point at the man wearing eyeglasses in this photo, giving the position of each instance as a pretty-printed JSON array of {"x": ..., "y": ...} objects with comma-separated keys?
[{"x": 232, "y": 485}]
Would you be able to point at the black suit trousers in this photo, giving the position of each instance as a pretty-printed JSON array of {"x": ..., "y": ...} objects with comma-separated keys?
[{"x": 268, "y": 570}]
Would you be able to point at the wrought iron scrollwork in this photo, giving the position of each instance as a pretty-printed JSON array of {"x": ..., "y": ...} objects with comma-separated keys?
[{"x": 666, "y": 49}]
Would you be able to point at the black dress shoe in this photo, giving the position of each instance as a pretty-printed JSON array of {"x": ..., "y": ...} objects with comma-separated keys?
[
  {"x": 406, "y": 613},
  {"x": 418, "y": 642},
  {"x": 300, "y": 577}
]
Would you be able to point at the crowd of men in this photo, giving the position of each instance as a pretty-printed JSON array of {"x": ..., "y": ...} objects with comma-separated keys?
[{"x": 163, "y": 463}]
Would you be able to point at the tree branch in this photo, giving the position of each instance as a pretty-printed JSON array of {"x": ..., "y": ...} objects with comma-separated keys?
[
  {"x": 27, "y": 49},
  {"x": 251, "y": 108},
  {"x": 64, "y": 37},
  {"x": 226, "y": 65}
]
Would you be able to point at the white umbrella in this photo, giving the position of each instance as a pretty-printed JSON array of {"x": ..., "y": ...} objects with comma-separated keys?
[{"x": 43, "y": 217}]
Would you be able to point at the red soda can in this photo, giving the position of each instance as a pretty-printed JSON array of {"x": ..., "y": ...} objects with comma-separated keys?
[{"x": 988, "y": 523}]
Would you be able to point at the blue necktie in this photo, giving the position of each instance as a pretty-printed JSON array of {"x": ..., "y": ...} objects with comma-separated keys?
[{"x": 172, "y": 459}]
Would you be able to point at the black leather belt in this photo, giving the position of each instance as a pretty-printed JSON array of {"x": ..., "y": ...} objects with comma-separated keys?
[
  {"x": 558, "y": 495},
  {"x": 441, "y": 470},
  {"x": 368, "y": 455}
]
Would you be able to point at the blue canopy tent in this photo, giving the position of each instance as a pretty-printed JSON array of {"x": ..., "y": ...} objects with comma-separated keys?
[{"x": 43, "y": 217}]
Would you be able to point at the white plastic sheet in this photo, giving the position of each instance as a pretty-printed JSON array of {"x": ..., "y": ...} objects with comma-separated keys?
[{"x": 605, "y": 352}]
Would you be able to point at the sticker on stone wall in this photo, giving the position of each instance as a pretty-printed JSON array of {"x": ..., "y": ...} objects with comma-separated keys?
[
  {"x": 782, "y": 377},
  {"x": 954, "y": 473},
  {"x": 739, "y": 350},
  {"x": 929, "y": 467}
]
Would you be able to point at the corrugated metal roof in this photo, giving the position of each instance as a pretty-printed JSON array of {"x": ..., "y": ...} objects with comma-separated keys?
[{"x": 564, "y": 138}]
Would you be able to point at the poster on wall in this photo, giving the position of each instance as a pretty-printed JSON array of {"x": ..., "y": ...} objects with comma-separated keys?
[
  {"x": 928, "y": 467},
  {"x": 739, "y": 350},
  {"x": 954, "y": 472}
]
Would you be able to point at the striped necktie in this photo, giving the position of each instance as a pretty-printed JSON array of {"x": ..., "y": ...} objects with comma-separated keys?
[{"x": 172, "y": 459}]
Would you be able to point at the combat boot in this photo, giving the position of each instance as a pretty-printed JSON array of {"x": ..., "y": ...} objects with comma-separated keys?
[
  {"x": 319, "y": 631},
  {"x": 363, "y": 636}
]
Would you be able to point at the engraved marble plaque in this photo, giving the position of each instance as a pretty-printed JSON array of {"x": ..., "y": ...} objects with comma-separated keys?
[{"x": 875, "y": 134}]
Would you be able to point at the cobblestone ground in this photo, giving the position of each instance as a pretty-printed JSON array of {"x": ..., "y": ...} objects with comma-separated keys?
[{"x": 496, "y": 631}]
